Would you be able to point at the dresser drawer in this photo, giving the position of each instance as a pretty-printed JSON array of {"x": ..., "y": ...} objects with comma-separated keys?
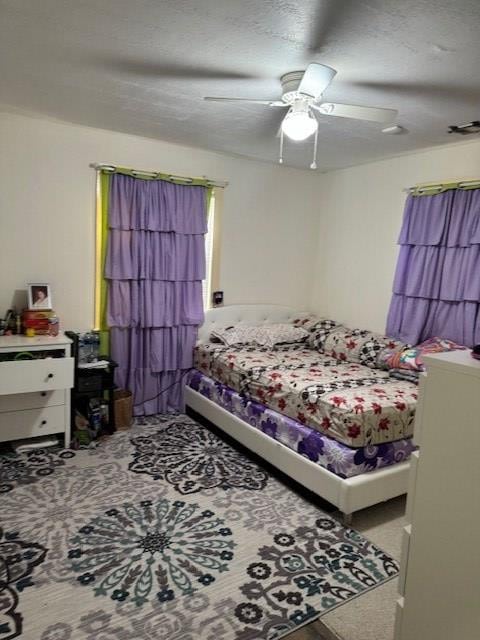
[
  {"x": 36, "y": 375},
  {"x": 37, "y": 400},
  {"x": 15, "y": 425}
]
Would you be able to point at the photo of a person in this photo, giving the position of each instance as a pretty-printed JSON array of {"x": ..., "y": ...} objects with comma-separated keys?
[{"x": 39, "y": 297}]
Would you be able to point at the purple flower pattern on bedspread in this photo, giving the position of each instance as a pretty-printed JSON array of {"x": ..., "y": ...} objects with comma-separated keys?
[{"x": 334, "y": 456}]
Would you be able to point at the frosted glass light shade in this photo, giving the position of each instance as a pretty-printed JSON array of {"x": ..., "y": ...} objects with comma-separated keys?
[{"x": 299, "y": 125}]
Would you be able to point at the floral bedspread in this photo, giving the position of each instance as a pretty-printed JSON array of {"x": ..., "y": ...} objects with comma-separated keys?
[
  {"x": 349, "y": 402},
  {"x": 334, "y": 456}
]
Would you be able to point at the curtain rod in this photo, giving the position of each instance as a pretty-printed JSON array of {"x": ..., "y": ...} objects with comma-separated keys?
[
  {"x": 112, "y": 168},
  {"x": 438, "y": 187}
]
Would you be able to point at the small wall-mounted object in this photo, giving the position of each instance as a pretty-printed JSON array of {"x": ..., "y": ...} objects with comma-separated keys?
[
  {"x": 217, "y": 298},
  {"x": 466, "y": 129},
  {"x": 394, "y": 130}
]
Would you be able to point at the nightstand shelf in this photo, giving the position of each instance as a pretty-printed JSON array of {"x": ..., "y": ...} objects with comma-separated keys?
[{"x": 93, "y": 383}]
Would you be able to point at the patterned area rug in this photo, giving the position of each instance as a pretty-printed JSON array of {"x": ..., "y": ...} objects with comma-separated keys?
[{"x": 167, "y": 532}]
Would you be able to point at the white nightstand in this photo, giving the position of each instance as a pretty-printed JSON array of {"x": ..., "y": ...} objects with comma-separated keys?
[{"x": 35, "y": 392}]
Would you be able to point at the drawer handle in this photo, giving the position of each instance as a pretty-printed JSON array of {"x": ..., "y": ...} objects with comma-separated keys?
[
  {"x": 50, "y": 375},
  {"x": 43, "y": 393},
  {"x": 44, "y": 422}
]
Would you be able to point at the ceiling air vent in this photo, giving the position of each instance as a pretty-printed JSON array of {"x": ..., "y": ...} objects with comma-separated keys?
[{"x": 465, "y": 129}]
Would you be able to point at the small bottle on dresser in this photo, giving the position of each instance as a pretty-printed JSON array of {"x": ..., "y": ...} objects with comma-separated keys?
[
  {"x": 18, "y": 324},
  {"x": 53, "y": 325}
]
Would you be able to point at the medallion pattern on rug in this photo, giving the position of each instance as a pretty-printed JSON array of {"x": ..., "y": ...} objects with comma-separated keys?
[
  {"x": 53, "y": 510},
  {"x": 17, "y": 562},
  {"x": 192, "y": 458},
  {"x": 163, "y": 548},
  {"x": 28, "y": 467},
  {"x": 313, "y": 568},
  {"x": 239, "y": 556}
]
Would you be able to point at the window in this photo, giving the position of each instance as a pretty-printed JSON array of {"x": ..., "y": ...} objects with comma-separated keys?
[{"x": 212, "y": 248}]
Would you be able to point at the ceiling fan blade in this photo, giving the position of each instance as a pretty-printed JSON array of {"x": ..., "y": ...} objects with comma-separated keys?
[
  {"x": 165, "y": 70},
  {"x": 374, "y": 114},
  {"x": 269, "y": 103},
  {"x": 316, "y": 79}
]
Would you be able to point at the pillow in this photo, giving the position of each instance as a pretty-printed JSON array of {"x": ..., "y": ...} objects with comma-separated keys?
[
  {"x": 383, "y": 358},
  {"x": 319, "y": 332},
  {"x": 411, "y": 359},
  {"x": 307, "y": 321},
  {"x": 377, "y": 348},
  {"x": 360, "y": 346},
  {"x": 345, "y": 344},
  {"x": 267, "y": 335}
]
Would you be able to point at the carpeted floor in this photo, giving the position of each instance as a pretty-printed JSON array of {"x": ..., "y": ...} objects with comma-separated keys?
[{"x": 168, "y": 532}]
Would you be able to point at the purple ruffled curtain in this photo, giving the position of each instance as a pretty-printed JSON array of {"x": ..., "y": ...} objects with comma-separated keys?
[
  {"x": 436, "y": 290},
  {"x": 155, "y": 265}
]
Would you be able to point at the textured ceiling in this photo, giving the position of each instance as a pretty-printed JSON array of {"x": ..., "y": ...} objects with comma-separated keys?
[{"x": 143, "y": 66}]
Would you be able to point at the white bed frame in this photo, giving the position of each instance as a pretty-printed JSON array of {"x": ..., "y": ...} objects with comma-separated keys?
[{"x": 350, "y": 494}]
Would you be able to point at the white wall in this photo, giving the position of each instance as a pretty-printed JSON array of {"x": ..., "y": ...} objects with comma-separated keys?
[
  {"x": 47, "y": 214},
  {"x": 289, "y": 237},
  {"x": 360, "y": 216}
]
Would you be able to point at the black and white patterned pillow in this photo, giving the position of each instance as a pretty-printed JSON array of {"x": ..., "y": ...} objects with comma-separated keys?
[
  {"x": 372, "y": 350},
  {"x": 320, "y": 332},
  {"x": 369, "y": 351}
]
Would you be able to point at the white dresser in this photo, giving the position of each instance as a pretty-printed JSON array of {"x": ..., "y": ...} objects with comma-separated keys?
[
  {"x": 440, "y": 566},
  {"x": 35, "y": 392}
]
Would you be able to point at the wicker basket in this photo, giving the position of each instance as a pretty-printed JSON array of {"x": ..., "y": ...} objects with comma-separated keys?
[{"x": 123, "y": 409}]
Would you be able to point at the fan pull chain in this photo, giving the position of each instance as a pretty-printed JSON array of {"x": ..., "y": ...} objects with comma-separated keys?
[
  {"x": 314, "y": 163},
  {"x": 280, "y": 159}
]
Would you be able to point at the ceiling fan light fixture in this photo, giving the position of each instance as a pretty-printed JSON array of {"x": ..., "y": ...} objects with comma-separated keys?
[{"x": 299, "y": 124}]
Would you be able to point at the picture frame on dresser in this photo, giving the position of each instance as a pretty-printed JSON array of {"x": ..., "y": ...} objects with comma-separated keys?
[{"x": 39, "y": 296}]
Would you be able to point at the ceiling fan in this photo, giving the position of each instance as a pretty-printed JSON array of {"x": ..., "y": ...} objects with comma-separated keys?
[{"x": 302, "y": 93}]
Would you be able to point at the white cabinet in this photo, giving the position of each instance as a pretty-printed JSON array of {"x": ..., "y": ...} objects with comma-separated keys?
[
  {"x": 440, "y": 565},
  {"x": 36, "y": 375}
]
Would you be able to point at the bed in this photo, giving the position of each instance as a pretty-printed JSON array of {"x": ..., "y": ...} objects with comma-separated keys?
[{"x": 364, "y": 464}]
